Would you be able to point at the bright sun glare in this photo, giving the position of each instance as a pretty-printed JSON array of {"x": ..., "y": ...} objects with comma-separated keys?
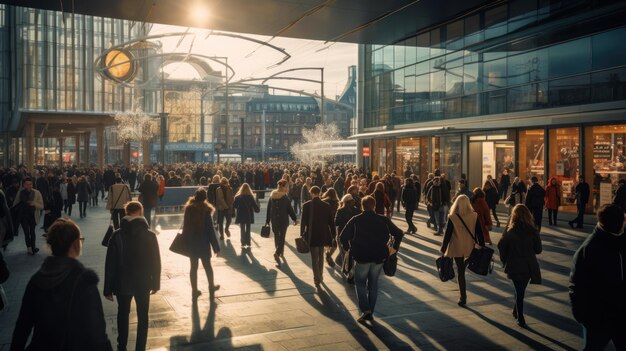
[{"x": 199, "y": 14}]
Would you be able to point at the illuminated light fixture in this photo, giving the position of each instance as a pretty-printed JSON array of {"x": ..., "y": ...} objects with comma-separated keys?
[
  {"x": 119, "y": 65},
  {"x": 199, "y": 13}
]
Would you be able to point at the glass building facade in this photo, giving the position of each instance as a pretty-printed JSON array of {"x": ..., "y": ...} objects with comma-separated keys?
[{"x": 536, "y": 88}]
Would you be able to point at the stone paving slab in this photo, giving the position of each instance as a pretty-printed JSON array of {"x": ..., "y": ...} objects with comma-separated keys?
[{"x": 264, "y": 307}]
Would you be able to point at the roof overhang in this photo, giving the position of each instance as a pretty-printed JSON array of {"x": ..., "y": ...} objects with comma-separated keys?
[{"x": 355, "y": 21}]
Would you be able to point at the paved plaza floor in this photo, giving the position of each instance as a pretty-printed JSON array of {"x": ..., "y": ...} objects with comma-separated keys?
[{"x": 263, "y": 307}]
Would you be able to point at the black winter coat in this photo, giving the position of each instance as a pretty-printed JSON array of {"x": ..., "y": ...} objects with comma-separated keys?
[
  {"x": 133, "y": 261},
  {"x": 83, "y": 191},
  {"x": 344, "y": 215},
  {"x": 518, "y": 250},
  {"x": 366, "y": 236},
  {"x": 318, "y": 223},
  {"x": 535, "y": 196},
  {"x": 246, "y": 206},
  {"x": 492, "y": 198},
  {"x": 279, "y": 210},
  {"x": 71, "y": 193},
  {"x": 149, "y": 193},
  {"x": 409, "y": 198},
  {"x": 582, "y": 193},
  {"x": 620, "y": 197},
  {"x": 61, "y": 306},
  {"x": 199, "y": 231},
  {"x": 597, "y": 288}
]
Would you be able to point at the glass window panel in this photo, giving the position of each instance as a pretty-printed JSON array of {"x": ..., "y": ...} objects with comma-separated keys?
[
  {"x": 570, "y": 58},
  {"x": 453, "y": 108},
  {"x": 521, "y": 13},
  {"x": 423, "y": 46},
  {"x": 527, "y": 97},
  {"x": 531, "y": 154},
  {"x": 494, "y": 102},
  {"x": 454, "y": 35},
  {"x": 473, "y": 34},
  {"x": 495, "y": 21},
  {"x": 438, "y": 85},
  {"x": 527, "y": 67},
  {"x": 422, "y": 86},
  {"x": 454, "y": 81},
  {"x": 570, "y": 91},
  {"x": 494, "y": 74},
  {"x": 470, "y": 105},
  {"x": 399, "y": 56},
  {"x": 470, "y": 78},
  {"x": 388, "y": 56},
  {"x": 608, "y": 154},
  {"x": 435, "y": 43},
  {"x": 410, "y": 53},
  {"x": 605, "y": 54},
  {"x": 609, "y": 85},
  {"x": 564, "y": 157}
]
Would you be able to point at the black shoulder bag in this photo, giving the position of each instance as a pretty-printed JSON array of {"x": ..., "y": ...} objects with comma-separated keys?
[
  {"x": 481, "y": 259},
  {"x": 110, "y": 229},
  {"x": 302, "y": 244}
]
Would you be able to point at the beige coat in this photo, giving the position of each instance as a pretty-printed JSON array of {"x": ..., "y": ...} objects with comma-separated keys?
[
  {"x": 461, "y": 243},
  {"x": 118, "y": 196}
]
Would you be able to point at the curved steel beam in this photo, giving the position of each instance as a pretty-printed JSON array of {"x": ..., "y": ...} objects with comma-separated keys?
[
  {"x": 237, "y": 36},
  {"x": 292, "y": 70}
]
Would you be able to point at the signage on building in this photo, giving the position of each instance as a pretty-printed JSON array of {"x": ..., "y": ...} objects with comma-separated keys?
[
  {"x": 606, "y": 193},
  {"x": 602, "y": 151},
  {"x": 488, "y": 160},
  {"x": 366, "y": 151}
]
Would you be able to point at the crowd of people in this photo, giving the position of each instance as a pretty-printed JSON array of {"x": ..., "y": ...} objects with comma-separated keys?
[{"x": 344, "y": 214}]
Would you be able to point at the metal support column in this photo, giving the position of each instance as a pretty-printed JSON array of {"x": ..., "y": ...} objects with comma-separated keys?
[{"x": 100, "y": 146}]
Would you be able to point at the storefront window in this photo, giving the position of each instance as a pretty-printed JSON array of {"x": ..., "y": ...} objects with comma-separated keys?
[
  {"x": 605, "y": 147},
  {"x": 412, "y": 157},
  {"x": 531, "y": 158},
  {"x": 564, "y": 162},
  {"x": 447, "y": 157},
  {"x": 382, "y": 157}
]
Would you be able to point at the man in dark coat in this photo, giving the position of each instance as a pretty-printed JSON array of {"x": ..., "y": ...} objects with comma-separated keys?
[
  {"x": 149, "y": 193},
  {"x": 366, "y": 236},
  {"x": 535, "y": 201},
  {"x": 339, "y": 185},
  {"x": 132, "y": 269},
  {"x": 318, "y": 229},
  {"x": 581, "y": 193},
  {"x": 620, "y": 195},
  {"x": 438, "y": 197},
  {"x": 597, "y": 285},
  {"x": 279, "y": 211}
]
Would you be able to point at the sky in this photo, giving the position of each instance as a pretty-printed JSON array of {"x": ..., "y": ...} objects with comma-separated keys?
[{"x": 252, "y": 60}]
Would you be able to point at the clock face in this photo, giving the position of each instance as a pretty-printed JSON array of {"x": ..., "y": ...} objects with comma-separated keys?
[{"x": 119, "y": 65}]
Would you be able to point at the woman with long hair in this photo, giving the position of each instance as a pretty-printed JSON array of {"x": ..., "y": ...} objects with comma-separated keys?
[
  {"x": 382, "y": 200},
  {"x": 463, "y": 232},
  {"x": 480, "y": 206},
  {"x": 305, "y": 195},
  {"x": 246, "y": 206},
  {"x": 61, "y": 307},
  {"x": 224, "y": 200},
  {"x": 83, "y": 191},
  {"x": 199, "y": 234},
  {"x": 518, "y": 247},
  {"x": 347, "y": 209},
  {"x": 491, "y": 196},
  {"x": 330, "y": 197}
]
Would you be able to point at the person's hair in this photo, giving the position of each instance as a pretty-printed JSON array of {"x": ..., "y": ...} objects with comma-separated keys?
[
  {"x": 478, "y": 193},
  {"x": 353, "y": 187},
  {"x": 216, "y": 179},
  {"x": 203, "y": 181},
  {"x": 244, "y": 189},
  {"x": 461, "y": 206},
  {"x": 27, "y": 179},
  {"x": 368, "y": 203},
  {"x": 199, "y": 198},
  {"x": 379, "y": 186},
  {"x": 611, "y": 218},
  {"x": 147, "y": 177},
  {"x": 282, "y": 183},
  {"x": 521, "y": 218},
  {"x": 534, "y": 179},
  {"x": 516, "y": 179},
  {"x": 224, "y": 181},
  {"x": 132, "y": 207},
  {"x": 118, "y": 180},
  {"x": 408, "y": 183},
  {"x": 437, "y": 179},
  {"x": 344, "y": 201},
  {"x": 330, "y": 194},
  {"x": 315, "y": 190},
  {"x": 61, "y": 235},
  {"x": 488, "y": 185}
]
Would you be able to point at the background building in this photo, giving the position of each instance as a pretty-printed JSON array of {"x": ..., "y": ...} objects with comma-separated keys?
[{"x": 533, "y": 87}]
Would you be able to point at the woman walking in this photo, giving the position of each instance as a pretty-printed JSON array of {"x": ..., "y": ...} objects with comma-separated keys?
[
  {"x": 63, "y": 190},
  {"x": 482, "y": 209},
  {"x": 71, "y": 195},
  {"x": 224, "y": 199},
  {"x": 83, "y": 191},
  {"x": 409, "y": 202},
  {"x": 305, "y": 194},
  {"x": 518, "y": 247},
  {"x": 61, "y": 307},
  {"x": 246, "y": 205},
  {"x": 279, "y": 211},
  {"x": 553, "y": 199},
  {"x": 330, "y": 197},
  {"x": 491, "y": 196},
  {"x": 463, "y": 231},
  {"x": 382, "y": 200},
  {"x": 518, "y": 191},
  {"x": 199, "y": 235},
  {"x": 347, "y": 209}
]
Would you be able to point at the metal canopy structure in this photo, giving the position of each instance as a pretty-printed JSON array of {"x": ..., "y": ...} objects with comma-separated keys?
[{"x": 355, "y": 21}]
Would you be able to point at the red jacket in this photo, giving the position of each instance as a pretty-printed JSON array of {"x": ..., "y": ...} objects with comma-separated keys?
[
  {"x": 553, "y": 195},
  {"x": 484, "y": 216}
]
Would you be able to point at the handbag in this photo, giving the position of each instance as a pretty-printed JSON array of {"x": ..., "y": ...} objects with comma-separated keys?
[
  {"x": 302, "y": 244},
  {"x": 391, "y": 265},
  {"x": 179, "y": 244},
  {"x": 107, "y": 235},
  {"x": 347, "y": 264},
  {"x": 265, "y": 231},
  {"x": 444, "y": 268},
  {"x": 481, "y": 259}
]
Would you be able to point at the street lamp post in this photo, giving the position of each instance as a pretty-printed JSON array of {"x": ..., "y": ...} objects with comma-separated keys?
[{"x": 242, "y": 139}]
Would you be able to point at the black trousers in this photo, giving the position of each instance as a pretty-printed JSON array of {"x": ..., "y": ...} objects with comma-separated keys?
[
  {"x": 408, "y": 215},
  {"x": 580, "y": 214},
  {"x": 537, "y": 213},
  {"x": 82, "y": 207},
  {"x": 461, "y": 264},
  {"x": 245, "y": 233},
  {"x": 520, "y": 290},
  {"x": 221, "y": 215},
  {"x": 193, "y": 272},
  {"x": 28, "y": 225},
  {"x": 279, "y": 238},
  {"x": 552, "y": 214},
  {"x": 117, "y": 216},
  {"x": 142, "y": 301}
]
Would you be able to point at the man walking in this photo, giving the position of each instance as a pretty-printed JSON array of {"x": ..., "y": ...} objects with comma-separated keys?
[
  {"x": 318, "y": 229},
  {"x": 27, "y": 204},
  {"x": 132, "y": 269},
  {"x": 117, "y": 198},
  {"x": 581, "y": 193},
  {"x": 535, "y": 201},
  {"x": 366, "y": 236},
  {"x": 597, "y": 285}
]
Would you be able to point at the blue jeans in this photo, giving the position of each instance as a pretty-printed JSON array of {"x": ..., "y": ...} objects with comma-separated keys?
[
  {"x": 438, "y": 214},
  {"x": 366, "y": 283}
]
